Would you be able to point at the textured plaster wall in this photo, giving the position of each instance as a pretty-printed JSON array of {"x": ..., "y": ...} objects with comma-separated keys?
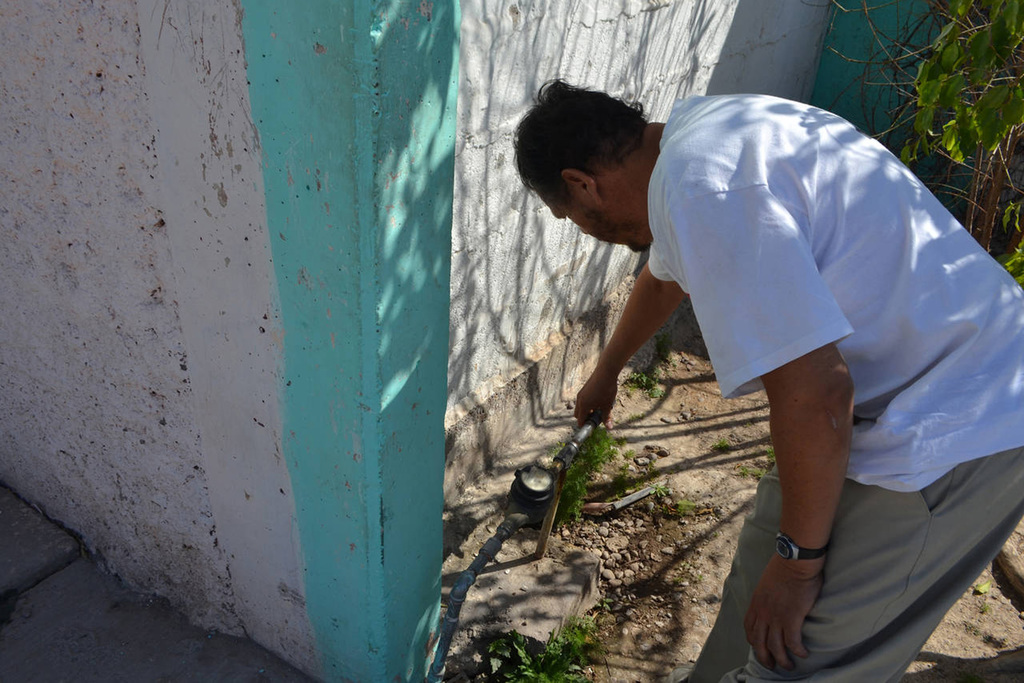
[
  {"x": 522, "y": 281},
  {"x": 139, "y": 345}
]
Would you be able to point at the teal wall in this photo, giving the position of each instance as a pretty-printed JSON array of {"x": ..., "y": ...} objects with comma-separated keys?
[
  {"x": 355, "y": 107},
  {"x": 853, "y": 76}
]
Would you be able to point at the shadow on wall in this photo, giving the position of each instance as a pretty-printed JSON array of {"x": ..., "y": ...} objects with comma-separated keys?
[
  {"x": 526, "y": 287},
  {"x": 521, "y": 280}
]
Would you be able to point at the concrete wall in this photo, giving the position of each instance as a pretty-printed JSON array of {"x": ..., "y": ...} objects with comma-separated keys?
[{"x": 528, "y": 288}]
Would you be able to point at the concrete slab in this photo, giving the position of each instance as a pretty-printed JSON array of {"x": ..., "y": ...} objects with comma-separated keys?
[
  {"x": 32, "y": 546},
  {"x": 533, "y": 597},
  {"x": 84, "y": 626}
]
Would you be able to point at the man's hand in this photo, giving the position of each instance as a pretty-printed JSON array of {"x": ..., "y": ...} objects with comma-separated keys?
[
  {"x": 598, "y": 394},
  {"x": 649, "y": 305},
  {"x": 783, "y": 598}
]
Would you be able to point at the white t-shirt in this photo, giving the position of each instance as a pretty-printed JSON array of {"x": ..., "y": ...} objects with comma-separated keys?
[{"x": 791, "y": 230}]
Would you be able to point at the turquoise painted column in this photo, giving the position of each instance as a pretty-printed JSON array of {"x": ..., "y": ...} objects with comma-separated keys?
[{"x": 355, "y": 107}]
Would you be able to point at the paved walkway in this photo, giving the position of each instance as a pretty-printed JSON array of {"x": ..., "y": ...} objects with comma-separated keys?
[{"x": 62, "y": 619}]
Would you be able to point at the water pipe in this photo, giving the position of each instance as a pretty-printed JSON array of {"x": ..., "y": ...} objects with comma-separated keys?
[
  {"x": 533, "y": 498},
  {"x": 562, "y": 462}
]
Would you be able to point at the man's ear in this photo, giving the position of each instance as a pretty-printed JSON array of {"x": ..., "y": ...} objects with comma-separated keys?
[{"x": 581, "y": 185}]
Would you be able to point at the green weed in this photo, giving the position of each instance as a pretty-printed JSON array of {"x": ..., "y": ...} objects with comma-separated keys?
[
  {"x": 722, "y": 445},
  {"x": 684, "y": 508},
  {"x": 594, "y": 453},
  {"x": 755, "y": 472},
  {"x": 561, "y": 661},
  {"x": 663, "y": 348},
  {"x": 621, "y": 482},
  {"x": 646, "y": 382}
]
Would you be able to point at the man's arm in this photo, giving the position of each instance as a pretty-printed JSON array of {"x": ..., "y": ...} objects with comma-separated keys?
[
  {"x": 811, "y": 403},
  {"x": 649, "y": 305}
]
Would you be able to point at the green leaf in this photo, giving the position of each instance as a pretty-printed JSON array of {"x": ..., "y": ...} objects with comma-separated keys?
[
  {"x": 1011, "y": 12},
  {"x": 983, "y": 56},
  {"x": 1003, "y": 39},
  {"x": 983, "y": 588},
  {"x": 958, "y": 8},
  {"x": 1012, "y": 213},
  {"x": 991, "y": 129},
  {"x": 909, "y": 152},
  {"x": 1013, "y": 110},
  {"x": 950, "y": 32},
  {"x": 951, "y": 141},
  {"x": 951, "y": 56},
  {"x": 928, "y": 92},
  {"x": 952, "y": 90},
  {"x": 924, "y": 119}
]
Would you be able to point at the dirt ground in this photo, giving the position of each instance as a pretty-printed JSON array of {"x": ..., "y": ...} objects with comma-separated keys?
[
  {"x": 665, "y": 558},
  {"x": 663, "y": 571}
]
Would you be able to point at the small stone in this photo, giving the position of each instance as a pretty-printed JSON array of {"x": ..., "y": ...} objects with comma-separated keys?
[
  {"x": 615, "y": 583},
  {"x": 668, "y": 551},
  {"x": 603, "y": 531},
  {"x": 666, "y": 420},
  {"x": 607, "y": 574},
  {"x": 642, "y": 462}
]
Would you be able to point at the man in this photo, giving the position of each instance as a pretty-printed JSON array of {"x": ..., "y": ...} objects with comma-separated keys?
[{"x": 890, "y": 346}]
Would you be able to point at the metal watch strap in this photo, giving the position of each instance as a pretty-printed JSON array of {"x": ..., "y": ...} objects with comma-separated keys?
[{"x": 789, "y": 550}]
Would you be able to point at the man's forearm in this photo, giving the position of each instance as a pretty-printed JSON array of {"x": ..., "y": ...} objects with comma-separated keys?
[
  {"x": 649, "y": 305},
  {"x": 811, "y": 423}
]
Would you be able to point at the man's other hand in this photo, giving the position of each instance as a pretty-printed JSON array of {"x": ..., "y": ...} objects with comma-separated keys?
[{"x": 784, "y": 596}]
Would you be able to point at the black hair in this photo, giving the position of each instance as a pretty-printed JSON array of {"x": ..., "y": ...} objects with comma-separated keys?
[{"x": 572, "y": 127}]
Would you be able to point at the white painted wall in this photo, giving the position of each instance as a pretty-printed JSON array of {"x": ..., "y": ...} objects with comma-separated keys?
[
  {"x": 139, "y": 344},
  {"x": 520, "y": 278}
]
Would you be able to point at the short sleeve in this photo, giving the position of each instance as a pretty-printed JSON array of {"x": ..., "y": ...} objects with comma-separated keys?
[
  {"x": 755, "y": 287},
  {"x": 656, "y": 265}
]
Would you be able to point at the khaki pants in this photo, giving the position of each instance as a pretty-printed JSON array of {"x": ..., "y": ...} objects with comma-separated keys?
[{"x": 896, "y": 563}]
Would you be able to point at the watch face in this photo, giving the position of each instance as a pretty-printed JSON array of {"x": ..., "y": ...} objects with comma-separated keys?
[{"x": 783, "y": 548}]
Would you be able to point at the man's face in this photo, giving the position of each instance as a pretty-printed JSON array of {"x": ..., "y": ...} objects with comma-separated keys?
[{"x": 599, "y": 225}]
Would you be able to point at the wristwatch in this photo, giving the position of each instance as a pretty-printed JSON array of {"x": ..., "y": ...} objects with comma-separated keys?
[{"x": 789, "y": 550}]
